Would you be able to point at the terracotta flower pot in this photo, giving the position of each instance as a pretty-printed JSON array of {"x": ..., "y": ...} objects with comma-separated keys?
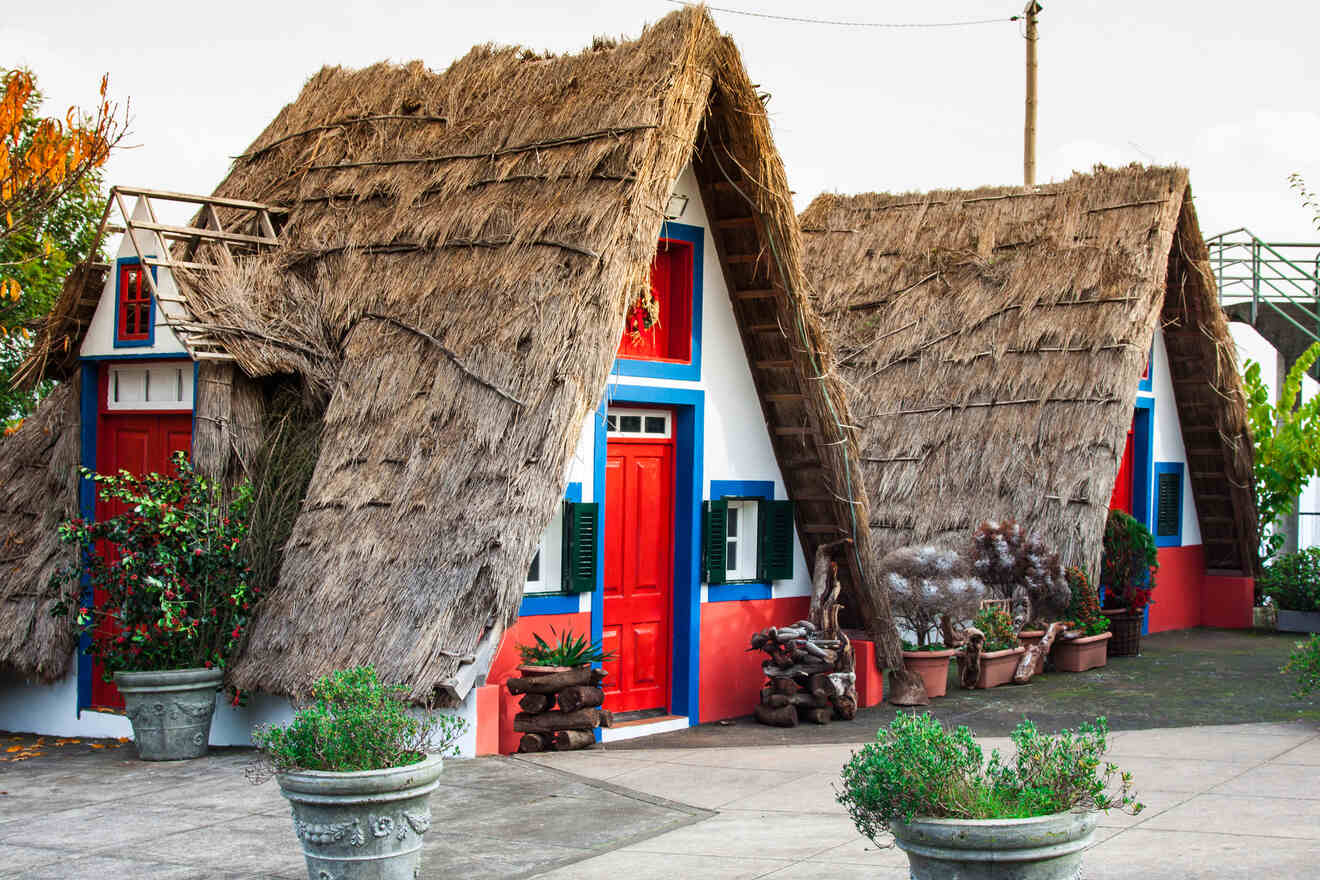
[
  {"x": 1029, "y": 637},
  {"x": 933, "y": 667},
  {"x": 1079, "y": 655},
  {"x": 997, "y": 667}
]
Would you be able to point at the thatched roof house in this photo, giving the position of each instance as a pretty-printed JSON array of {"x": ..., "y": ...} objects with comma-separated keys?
[
  {"x": 992, "y": 342},
  {"x": 456, "y": 255}
]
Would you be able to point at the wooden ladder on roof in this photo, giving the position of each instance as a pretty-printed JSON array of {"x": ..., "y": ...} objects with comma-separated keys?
[{"x": 249, "y": 227}]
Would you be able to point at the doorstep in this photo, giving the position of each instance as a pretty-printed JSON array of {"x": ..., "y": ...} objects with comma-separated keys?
[{"x": 643, "y": 727}]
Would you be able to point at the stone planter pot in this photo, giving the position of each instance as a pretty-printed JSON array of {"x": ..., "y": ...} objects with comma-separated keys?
[
  {"x": 1299, "y": 621},
  {"x": 1040, "y": 848},
  {"x": 170, "y": 711},
  {"x": 933, "y": 667},
  {"x": 1029, "y": 637},
  {"x": 366, "y": 825},
  {"x": 997, "y": 667},
  {"x": 1079, "y": 655}
]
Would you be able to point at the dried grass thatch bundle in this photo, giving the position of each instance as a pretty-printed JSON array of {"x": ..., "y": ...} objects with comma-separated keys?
[{"x": 993, "y": 340}]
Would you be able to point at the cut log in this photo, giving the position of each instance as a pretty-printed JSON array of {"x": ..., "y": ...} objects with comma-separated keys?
[
  {"x": 534, "y": 703},
  {"x": 580, "y": 696},
  {"x": 821, "y": 579},
  {"x": 1027, "y": 665},
  {"x": 606, "y": 717},
  {"x": 783, "y": 686},
  {"x": 534, "y": 742},
  {"x": 572, "y": 740},
  {"x": 783, "y": 716},
  {"x": 549, "y": 684},
  {"x": 821, "y": 715},
  {"x": 550, "y": 722},
  {"x": 845, "y": 707}
]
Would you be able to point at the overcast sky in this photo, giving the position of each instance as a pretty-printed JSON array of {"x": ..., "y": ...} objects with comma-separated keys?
[{"x": 1223, "y": 88}]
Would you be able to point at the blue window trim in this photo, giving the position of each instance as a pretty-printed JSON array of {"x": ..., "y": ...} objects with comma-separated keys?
[
  {"x": 1142, "y": 458},
  {"x": 1171, "y": 467},
  {"x": 88, "y": 411},
  {"x": 741, "y": 590},
  {"x": 689, "y": 433},
  {"x": 151, "y": 326},
  {"x": 689, "y": 372},
  {"x": 1145, "y": 384},
  {"x": 554, "y": 603}
]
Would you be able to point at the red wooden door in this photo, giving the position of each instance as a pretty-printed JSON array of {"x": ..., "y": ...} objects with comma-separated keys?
[
  {"x": 639, "y": 572},
  {"x": 140, "y": 444},
  {"x": 1121, "y": 499}
]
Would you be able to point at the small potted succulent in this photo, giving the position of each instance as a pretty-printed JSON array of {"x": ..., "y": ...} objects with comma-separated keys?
[
  {"x": 958, "y": 815},
  {"x": 161, "y": 590},
  {"x": 1291, "y": 584},
  {"x": 568, "y": 652},
  {"x": 999, "y": 653},
  {"x": 929, "y": 586},
  {"x": 1127, "y": 574},
  {"x": 358, "y": 767},
  {"x": 1088, "y": 646}
]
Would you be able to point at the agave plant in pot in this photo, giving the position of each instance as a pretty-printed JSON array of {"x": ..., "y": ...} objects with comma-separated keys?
[
  {"x": 161, "y": 592},
  {"x": 1127, "y": 573},
  {"x": 358, "y": 767},
  {"x": 1029, "y": 816}
]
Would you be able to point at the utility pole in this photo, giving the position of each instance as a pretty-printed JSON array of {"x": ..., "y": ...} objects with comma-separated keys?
[{"x": 1029, "y": 133}]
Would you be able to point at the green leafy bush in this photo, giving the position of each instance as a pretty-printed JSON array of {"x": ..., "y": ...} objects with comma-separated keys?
[
  {"x": 172, "y": 580},
  {"x": 913, "y": 646},
  {"x": 1084, "y": 610},
  {"x": 998, "y": 628},
  {"x": 1292, "y": 581},
  {"x": 918, "y": 768},
  {"x": 356, "y": 722},
  {"x": 1129, "y": 563},
  {"x": 567, "y": 651},
  {"x": 1305, "y": 663}
]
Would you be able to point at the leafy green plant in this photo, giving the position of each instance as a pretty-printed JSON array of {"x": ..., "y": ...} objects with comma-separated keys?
[
  {"x": 998, "y": 628},
  {"x": 918, "y": 768},
  {"x": 355, "y": 722},
  {"x": 1287, "y": 446},
  {"x": 1084, "y": 609},
  {"x": 170, "y": 581},
  {"x": 933, "y": 646},
  {"x": 567, "y": 651},
  {"x": 1304, "y": 662},
  {"x": 1129, "y": 563},
  {"x": 1292, "y": 581}
]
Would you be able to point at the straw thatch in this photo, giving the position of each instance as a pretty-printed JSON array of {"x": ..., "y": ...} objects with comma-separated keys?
[
  {"x": 38, "y": 490},
  {"x": 992, "y": 342},
  {"x": 456, "y": 254}
]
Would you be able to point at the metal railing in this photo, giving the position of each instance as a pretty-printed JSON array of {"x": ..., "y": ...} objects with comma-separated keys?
[{"x": 1270, "y": 276}]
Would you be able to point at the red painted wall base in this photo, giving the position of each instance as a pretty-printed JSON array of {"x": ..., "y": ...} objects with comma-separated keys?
[
  {"x": 1187, "y": 596},
  {"x": 730, "y": 680},
  {"x": 870, "y": 681},
  {"x": 505, "y": 667},
  {"x": 1228, "y": 601}
]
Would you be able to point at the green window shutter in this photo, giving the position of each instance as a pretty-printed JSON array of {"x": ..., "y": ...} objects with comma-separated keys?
[
  {"x": 774, "y": 557},
  {"x": 1167, "y": 504},
  {"x": 715, "y": 530},
  {"x": 579, "y": 556}
]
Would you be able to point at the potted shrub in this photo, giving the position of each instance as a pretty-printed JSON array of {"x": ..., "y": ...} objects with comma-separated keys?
[
  {"x": 928, "y": 586},
  {"x": 1127, "y": 574},
  {"x": 1086, "y": 646},
  {"x": 568, "y": 652},
  {"x": 1000, "y": 650},
  {"x": 358, "y": 767},
  {"x": 1304, "y": 662},
  {"x": 957, "y": 815},
  {"x": 162, "y": 592},
  {"x": 1292, "y": 584}
]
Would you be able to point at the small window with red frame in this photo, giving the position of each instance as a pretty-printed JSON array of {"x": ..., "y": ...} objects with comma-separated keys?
[
  {"x": 658, "y": 326},
  {"x": 134, "y": 324}
]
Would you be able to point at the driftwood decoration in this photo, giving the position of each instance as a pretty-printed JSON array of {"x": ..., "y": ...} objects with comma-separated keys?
[
  {"x": 969, "y": 661},
  {"x": 578, "y": 695},
  {"x": 810, "y": 673},
  {"x": 1027, "y": 665}
]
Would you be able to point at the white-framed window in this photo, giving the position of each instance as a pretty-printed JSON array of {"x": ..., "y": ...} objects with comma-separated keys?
[
  {"x": 740, "y": 539},
  {"x": 153, "y": 386},
  {"x": 657, "y": 423}
]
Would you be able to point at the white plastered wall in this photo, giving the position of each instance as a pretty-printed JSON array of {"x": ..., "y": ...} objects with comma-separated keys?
[{"x": 1167, "y": 441}]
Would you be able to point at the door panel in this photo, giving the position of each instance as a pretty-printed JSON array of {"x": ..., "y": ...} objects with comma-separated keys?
[
  {"x": 139, "y": 444},
  {"x": 639, "y": 567}
]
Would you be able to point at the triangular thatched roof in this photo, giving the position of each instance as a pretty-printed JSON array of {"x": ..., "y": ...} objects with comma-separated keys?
[
  {"x": 456, "y": 255},
  {"x": 992, "y": 341}
]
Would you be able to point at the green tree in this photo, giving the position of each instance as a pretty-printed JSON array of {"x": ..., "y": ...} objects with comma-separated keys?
[
  {"x": 35, "y": 257},
  {"x": 1287, "y": 441}
]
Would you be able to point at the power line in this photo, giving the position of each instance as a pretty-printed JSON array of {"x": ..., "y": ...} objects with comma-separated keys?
[{"x": 856, "y": 24}]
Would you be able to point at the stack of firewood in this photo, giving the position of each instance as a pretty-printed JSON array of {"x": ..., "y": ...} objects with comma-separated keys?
[
  {"x": 560, "y": 710},
  {"x": 810, "y": 672}
]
